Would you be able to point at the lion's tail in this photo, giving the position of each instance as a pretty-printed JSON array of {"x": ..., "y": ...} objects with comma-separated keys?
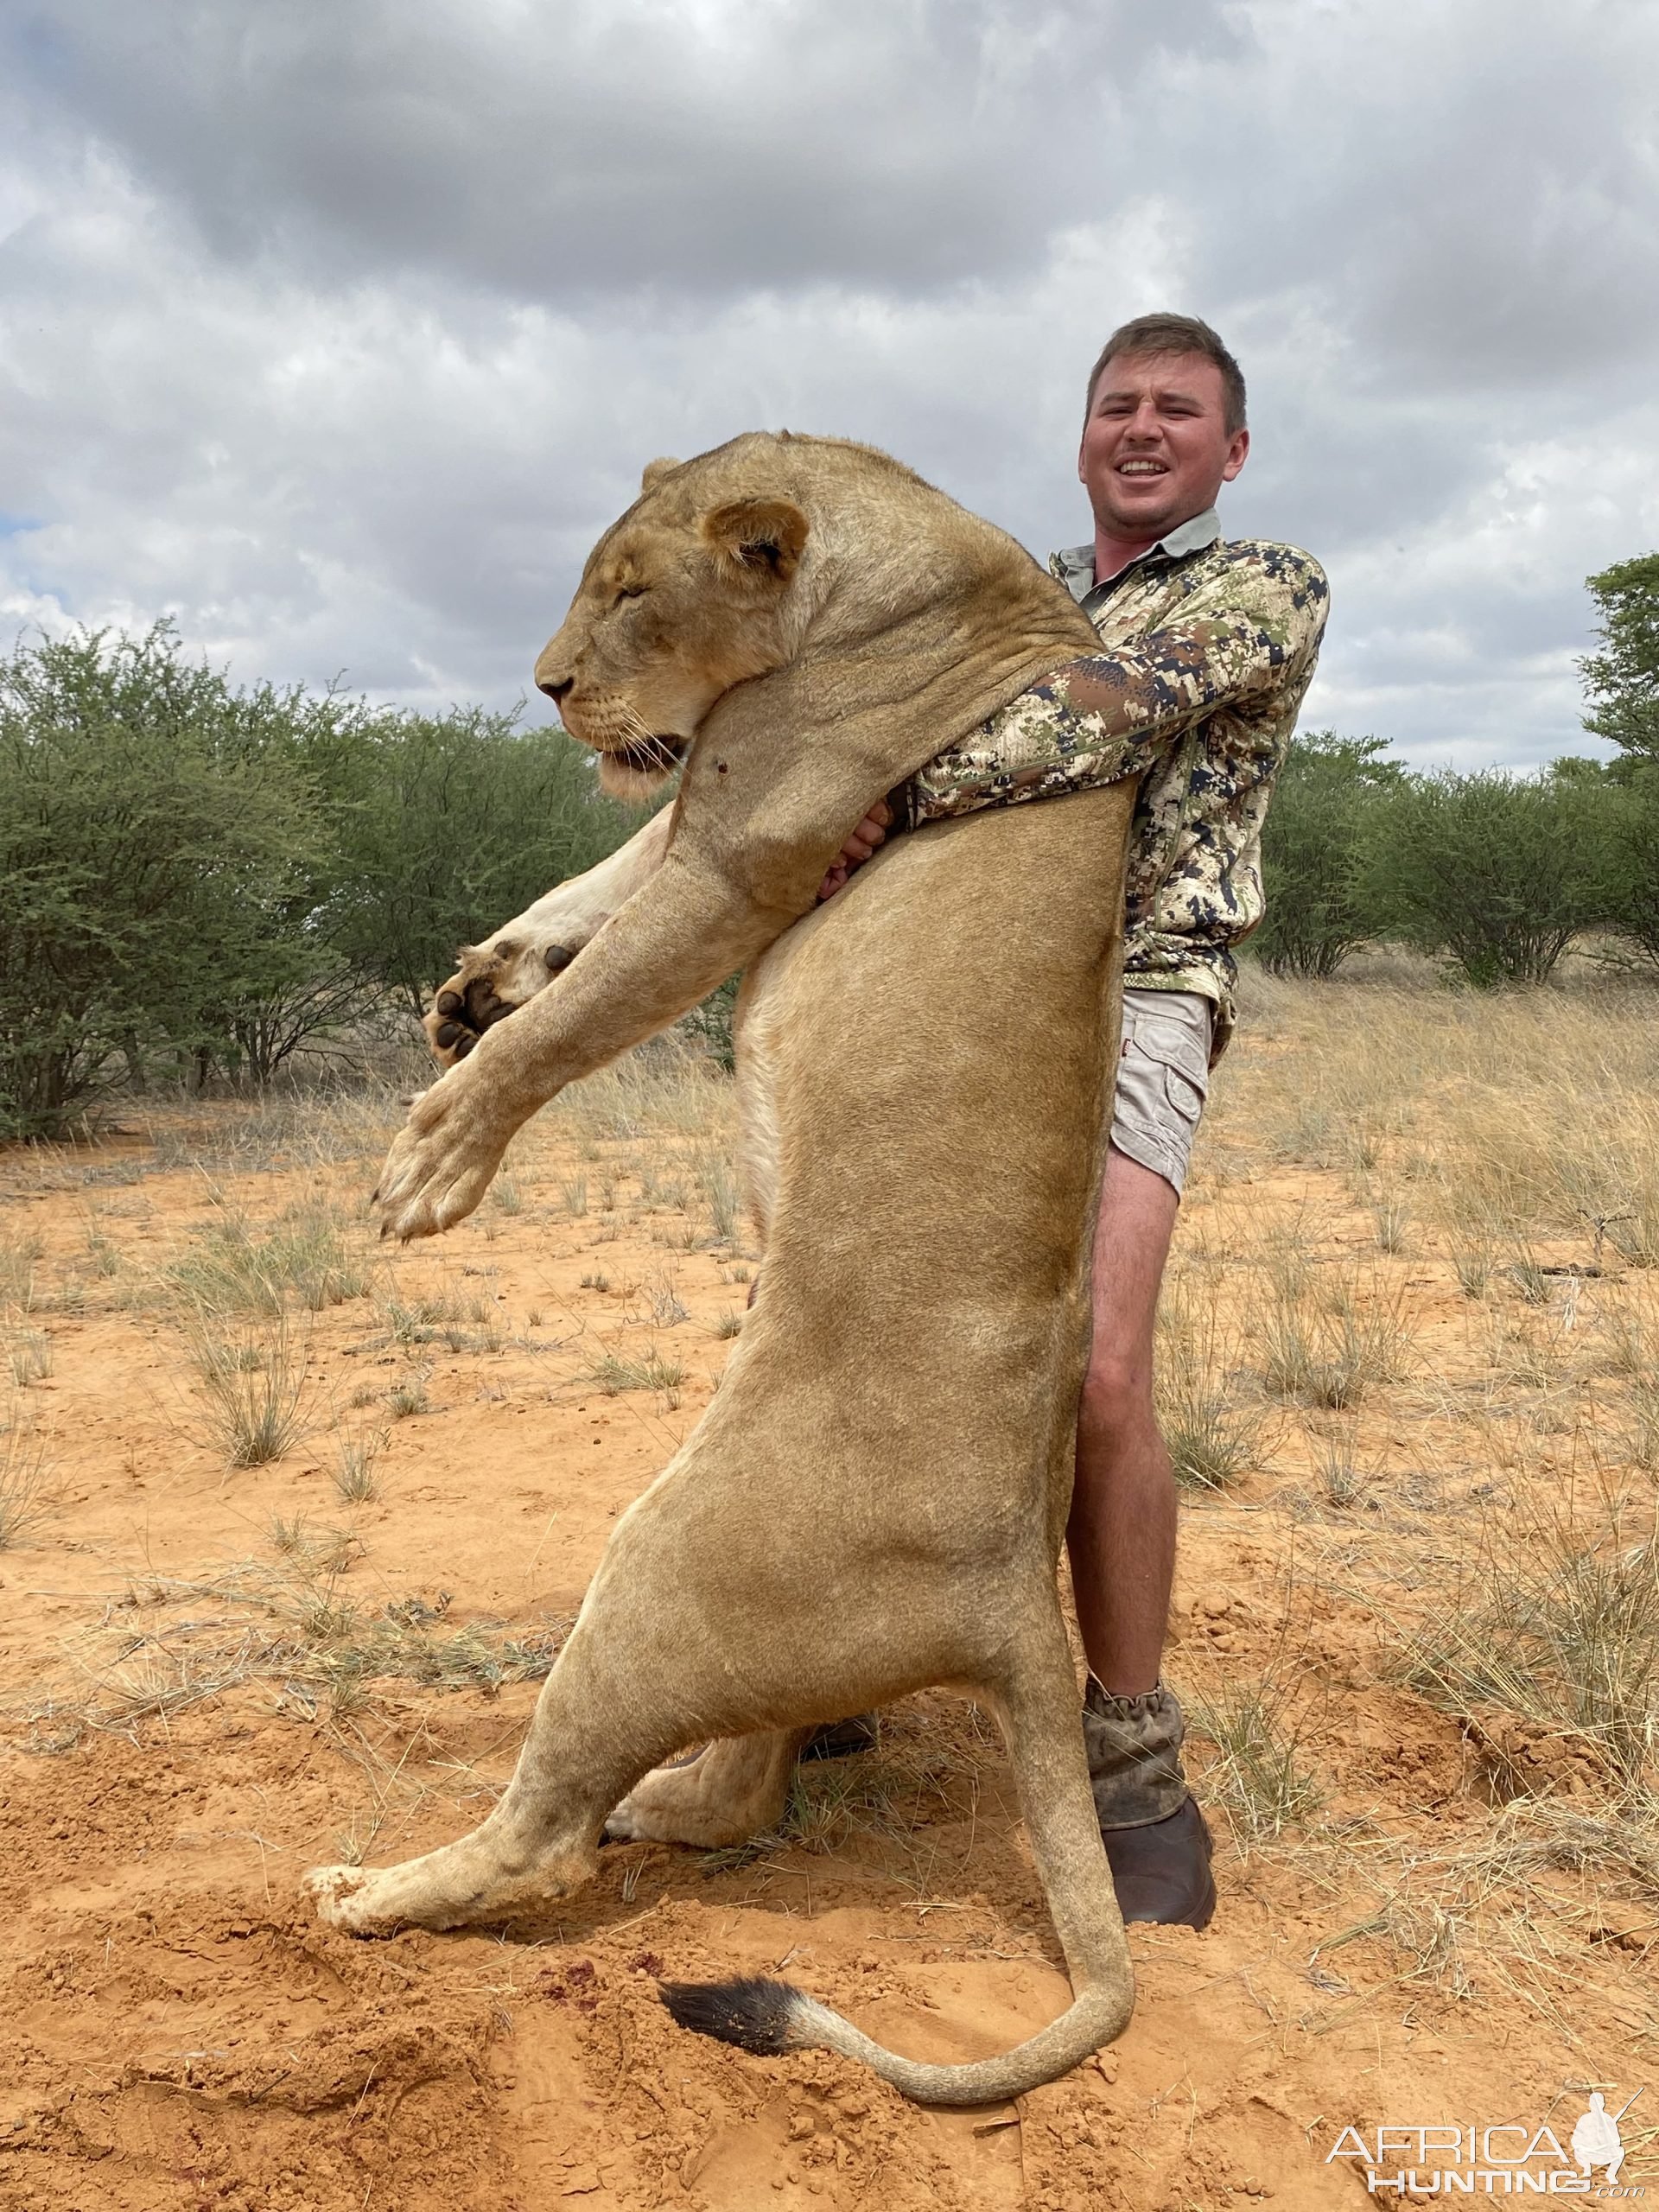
[
  {"x": 769, "y": 2016},
  {"x": 1046, "y": 1745}
]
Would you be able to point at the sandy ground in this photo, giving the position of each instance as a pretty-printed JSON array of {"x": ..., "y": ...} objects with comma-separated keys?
[{"x": 215, "y": 1678}]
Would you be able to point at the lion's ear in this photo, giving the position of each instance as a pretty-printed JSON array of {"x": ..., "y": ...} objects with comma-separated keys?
[
  {"x": 655, "y": 471},
  {"x": 761, "y": 537}
]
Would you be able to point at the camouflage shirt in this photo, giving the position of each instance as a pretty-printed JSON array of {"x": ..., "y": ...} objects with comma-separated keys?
[{"x": 1210, "y": 646}]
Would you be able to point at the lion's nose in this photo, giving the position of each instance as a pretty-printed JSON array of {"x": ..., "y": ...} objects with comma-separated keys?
[{"x": 554, "y": 691}]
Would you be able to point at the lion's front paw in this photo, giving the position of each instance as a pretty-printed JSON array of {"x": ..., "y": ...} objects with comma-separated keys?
[
  {"x": 442, "y": 1160},
  {"x": 469, "y": 1003},
  {"x": 491, "y": 982}
]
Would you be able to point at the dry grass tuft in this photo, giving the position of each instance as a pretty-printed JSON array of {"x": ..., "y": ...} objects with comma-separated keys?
[
  {"x": 1547, "y": 1652},
  {"x": 1344, "y": 1478},
  {"x": 408, "y": 1396},
  {"x": 305, "y": 1259},
  {"x": 251, "y": 1388},
  {"x": 29, "y": 1357},
  {"x": 1494, "y": 1921},
  {"x": 28, "y": 1491},
  {"x": 506, "y": 1195},
  {"x": 355, "y": 1480},
  {"x": 1213, "y": 1434},
  {"x": 720, "y": 1194},
  {"x": 1327, "y": 1342},
  {"x": 890, "y": 1804},
  {"x": 613, "y": 1374},
  {"x": 171, "y": 1643},
  {"x": 1257, "y": 1773},
  {"x": 19, "y": 1256}
]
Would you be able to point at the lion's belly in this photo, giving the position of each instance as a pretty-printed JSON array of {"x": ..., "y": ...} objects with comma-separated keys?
[{"x": 924, "y": 1065}]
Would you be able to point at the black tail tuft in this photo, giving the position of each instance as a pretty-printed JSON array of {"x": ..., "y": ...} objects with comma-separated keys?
[{"x": 752, "y": 2012}]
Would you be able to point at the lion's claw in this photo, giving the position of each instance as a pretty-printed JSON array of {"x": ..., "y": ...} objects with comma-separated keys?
[{"x": 442, "y": 1160}]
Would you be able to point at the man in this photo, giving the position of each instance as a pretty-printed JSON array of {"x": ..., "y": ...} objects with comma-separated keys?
[{"x": 1208, "y": 649}]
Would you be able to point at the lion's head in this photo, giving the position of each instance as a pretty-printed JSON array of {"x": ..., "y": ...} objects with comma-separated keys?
[
  {"x": 692, "y": 591},
  {"x": 876, "y": 610}
]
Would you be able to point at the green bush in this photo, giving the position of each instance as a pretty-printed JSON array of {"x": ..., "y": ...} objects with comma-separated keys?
[
  {"x": 1629, "y": 795},
  {"x": 448, "y": 824},
  {"x": 148, "y": 847},
  {"x": 197, "y": 879},
  {"x": 1633, "y": 904},
  {"x": 1500, "y": 872},
  {"x": 711, "y": 1022},
  {"x": 1326, "y": 792}
]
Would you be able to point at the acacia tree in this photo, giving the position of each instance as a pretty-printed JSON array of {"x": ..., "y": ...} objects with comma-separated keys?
[
  {"x": 1626, "y": 850},
  {"x": 1501, "y": 871},
  {"x": 196, "y": 878},
  {"x": 447, "y": 824},
  {"x": 146, "y": 855},
  {"x": 1621, "y": 682},
  {"x": 1317, "y": 911}
]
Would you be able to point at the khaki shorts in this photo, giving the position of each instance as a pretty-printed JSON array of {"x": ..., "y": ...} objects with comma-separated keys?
[{"x": 1163, "y": 1079}]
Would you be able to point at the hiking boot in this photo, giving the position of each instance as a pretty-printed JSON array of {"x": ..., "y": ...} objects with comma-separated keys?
[
  {"x": 1161, "y": 1872},
  {"x": 1157, "y": 1843}
]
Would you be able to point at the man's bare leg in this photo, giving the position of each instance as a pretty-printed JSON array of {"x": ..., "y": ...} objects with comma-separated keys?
[{"x": 1120, "y": 1540}]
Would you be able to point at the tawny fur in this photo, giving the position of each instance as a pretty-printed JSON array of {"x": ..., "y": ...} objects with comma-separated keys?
[{"x": 875, "y": 1501}]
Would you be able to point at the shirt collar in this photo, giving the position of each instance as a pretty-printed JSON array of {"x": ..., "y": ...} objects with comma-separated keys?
[{"x": 1075, "y": 566}]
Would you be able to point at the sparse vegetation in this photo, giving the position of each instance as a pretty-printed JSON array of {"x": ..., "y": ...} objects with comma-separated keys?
[
  {"x": 1343, "y": 1480},
  {"x": 1258, "y": 1772},
  {"x": 18, "y": 1257},
  {"x": 667, "y": 1308},
  {"x": 1549, "y": 1655},
  {"x": 30, "y": 1357},
  {"x": 251, "y": 1388},
  {"x": 721, "y": 1195},
  {"x": 408, "y": 1394},
  {"x": 28, "y": 1495},
  {"x": 613, "y": 1374},
  {"x": 1212, "y": 1428},
  {"x": 294, "y": 1623},
  {"x": 1412, "y": 1313},
  {"x": 305, "y": 1259},
  {"x": 1326, "y": 1343},
  {"x": 354, "y": 1466}
]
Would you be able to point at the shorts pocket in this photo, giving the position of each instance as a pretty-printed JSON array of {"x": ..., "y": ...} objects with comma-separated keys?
[
  {"x": 1179, "y": 1053},
  {"x": 1184, "y": 1095}
]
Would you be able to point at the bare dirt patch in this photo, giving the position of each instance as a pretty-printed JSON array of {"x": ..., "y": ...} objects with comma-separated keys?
[{"x": 297, "y": 1523}]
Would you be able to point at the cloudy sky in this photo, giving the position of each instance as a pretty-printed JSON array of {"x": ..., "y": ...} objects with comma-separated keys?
[{"x": 338, "y": 329}]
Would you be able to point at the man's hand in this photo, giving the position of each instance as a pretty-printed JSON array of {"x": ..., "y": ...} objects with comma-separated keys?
[{"x": 871, "y": 832}]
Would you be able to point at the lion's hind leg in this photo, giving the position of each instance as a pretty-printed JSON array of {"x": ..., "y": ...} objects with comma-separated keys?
[{"x": 737, "y": 1788}]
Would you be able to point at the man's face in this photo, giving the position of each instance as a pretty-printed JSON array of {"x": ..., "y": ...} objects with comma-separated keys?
[{"x": 1156, "y": 448}]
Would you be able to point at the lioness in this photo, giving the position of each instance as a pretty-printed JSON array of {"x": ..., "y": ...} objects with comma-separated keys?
[{"x": 874, "y": 1502}]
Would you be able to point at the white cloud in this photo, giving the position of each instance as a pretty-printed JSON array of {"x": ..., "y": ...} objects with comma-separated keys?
[{"x": 340, "y": 332}]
